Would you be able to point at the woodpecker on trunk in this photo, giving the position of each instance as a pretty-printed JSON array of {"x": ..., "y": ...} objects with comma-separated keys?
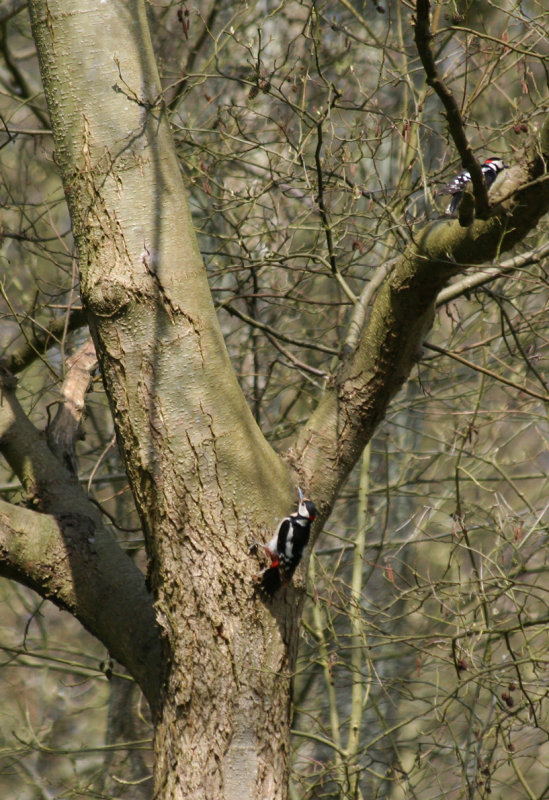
[{"x": 286, "y": 547}]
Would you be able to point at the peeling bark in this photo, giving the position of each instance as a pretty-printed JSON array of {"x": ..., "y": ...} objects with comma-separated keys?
[{"x": 63, "y": 431}]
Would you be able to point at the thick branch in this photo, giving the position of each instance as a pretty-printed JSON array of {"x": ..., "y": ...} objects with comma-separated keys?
[
  {"x": 67, "y": 556},
  {"x": 143, "y": 281},
  {"x": 403, "y": 312}
]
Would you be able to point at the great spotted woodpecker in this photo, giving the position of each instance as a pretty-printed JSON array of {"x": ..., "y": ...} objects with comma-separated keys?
[
  {"x": 286, "y": 547},
  {"x": 490, "y": 169}
]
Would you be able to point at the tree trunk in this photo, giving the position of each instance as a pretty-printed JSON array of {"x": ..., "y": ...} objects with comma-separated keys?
[{"x": 205, "y": 480}]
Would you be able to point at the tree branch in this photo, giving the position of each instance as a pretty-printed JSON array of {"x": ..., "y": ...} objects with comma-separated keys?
[
  {"x": 333, "y": 438},
  {"x": 474, "y": 281},
  {"x": 477, "y": 368},
  {"x": 269, "y": 331},
  {"x": 423, "y": 36},
  {"x": 68, "y": 557},
  {"x": 43, "y": 339}
]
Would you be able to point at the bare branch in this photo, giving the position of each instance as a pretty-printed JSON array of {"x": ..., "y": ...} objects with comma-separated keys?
[
  {"x": 277, "y": 335},
  {"x": 489, "y": 372},
  {"x": 481, "y": 278},
  {"x": 43, "y": 339},
  {"x": 360, "y": 310},
  {"x": 423, "y": 38},
  {"x": 22, "y": 81}
]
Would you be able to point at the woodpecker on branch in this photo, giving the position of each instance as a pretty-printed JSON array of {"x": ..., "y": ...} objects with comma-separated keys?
[
  {"x": 286, "y": 547},
  {"x": 490, "y": 169}
]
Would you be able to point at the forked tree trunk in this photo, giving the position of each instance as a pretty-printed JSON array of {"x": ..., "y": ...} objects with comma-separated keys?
[{"x": 205, "y": 481}]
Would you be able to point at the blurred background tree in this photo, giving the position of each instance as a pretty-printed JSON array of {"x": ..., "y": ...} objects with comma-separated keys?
[{"x": 313, "y": 149}]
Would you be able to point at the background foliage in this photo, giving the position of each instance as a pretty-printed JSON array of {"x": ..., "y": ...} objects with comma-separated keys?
[{"x": 312, "y": 147}]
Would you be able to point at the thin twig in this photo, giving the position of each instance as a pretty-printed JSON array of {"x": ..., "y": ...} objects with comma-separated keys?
[
  {"x": 35, "y": 346},
  {"x": 277, "y": 335},
  {"x": 485, "y": 371}
]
